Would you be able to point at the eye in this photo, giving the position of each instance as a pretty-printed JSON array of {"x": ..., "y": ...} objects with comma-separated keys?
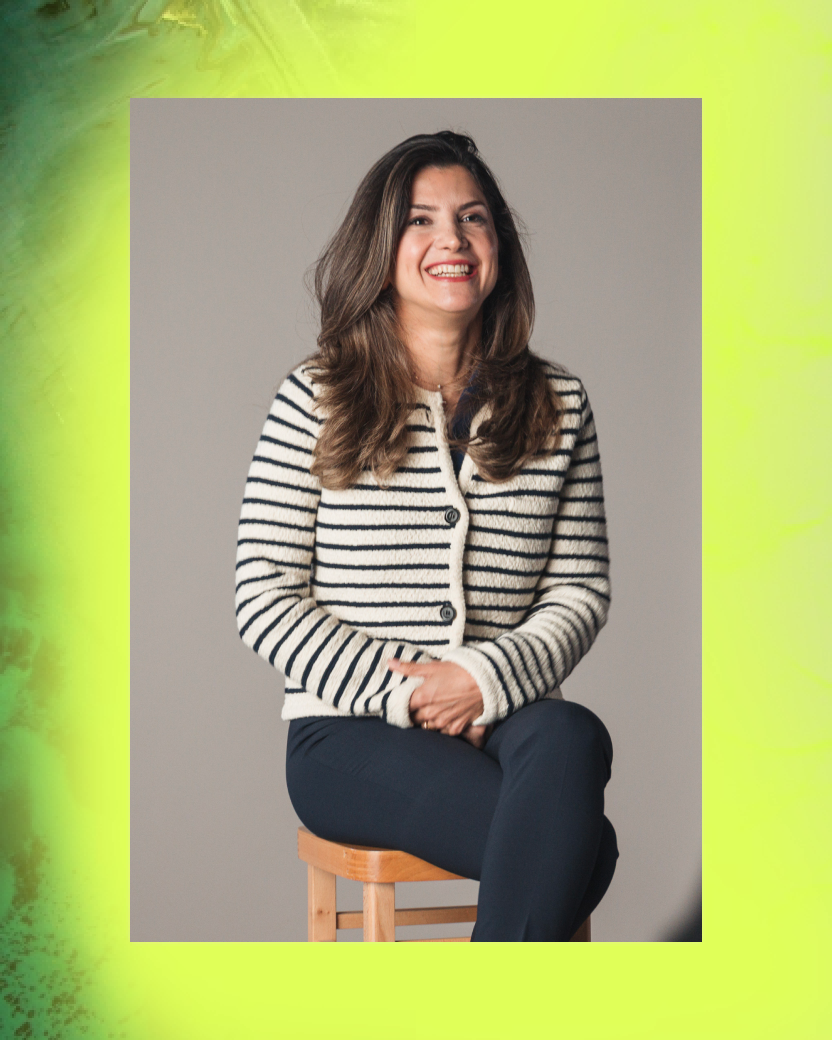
[
  {"x": 477, "y": 218},
  {"x": 416, "y": 221}
]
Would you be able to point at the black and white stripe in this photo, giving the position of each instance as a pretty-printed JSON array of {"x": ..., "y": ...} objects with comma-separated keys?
[{"x": 332, "y": 584}]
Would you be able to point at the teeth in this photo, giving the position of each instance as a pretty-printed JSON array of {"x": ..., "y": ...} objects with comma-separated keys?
[{"x": 450, "y": 269}]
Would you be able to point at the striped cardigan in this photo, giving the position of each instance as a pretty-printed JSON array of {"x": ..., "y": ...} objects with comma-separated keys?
[{"x": 510, "y": 580}]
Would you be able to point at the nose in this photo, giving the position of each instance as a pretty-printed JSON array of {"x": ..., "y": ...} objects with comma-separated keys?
[{"x": 451, "y": 235}]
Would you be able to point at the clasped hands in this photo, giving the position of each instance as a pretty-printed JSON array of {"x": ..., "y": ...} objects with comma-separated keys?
[{"x": 448, "y": 699}]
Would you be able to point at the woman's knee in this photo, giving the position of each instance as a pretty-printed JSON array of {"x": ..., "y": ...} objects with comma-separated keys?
[
  {"x": 557, "y": 726},
  {"x": 584, "y": 729}
]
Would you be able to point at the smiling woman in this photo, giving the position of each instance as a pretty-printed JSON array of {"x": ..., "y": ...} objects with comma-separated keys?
[
  {"x": 423, "y": 554},
  {"x": 446, "y": 263}
]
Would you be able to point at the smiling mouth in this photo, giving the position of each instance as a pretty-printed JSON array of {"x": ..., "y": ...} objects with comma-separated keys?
[{"x": 453, "y": 272}]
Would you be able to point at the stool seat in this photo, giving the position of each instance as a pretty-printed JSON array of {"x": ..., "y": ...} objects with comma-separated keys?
[
  {"x": 379, "y": 870},
  {"x": 367, "y": 863}
]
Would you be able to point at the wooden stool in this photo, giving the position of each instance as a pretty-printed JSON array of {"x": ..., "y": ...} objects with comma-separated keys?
[{"x": 379, "y": 870}]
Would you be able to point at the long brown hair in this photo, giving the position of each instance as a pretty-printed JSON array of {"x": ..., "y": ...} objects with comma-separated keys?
[{"x": 362, "y": 366}]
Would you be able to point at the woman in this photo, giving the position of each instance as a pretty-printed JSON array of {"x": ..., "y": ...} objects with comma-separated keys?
[{"x": 423, "y": 554}]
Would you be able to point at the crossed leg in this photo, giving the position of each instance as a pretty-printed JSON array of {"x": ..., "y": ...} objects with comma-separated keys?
[{"x": 524, "y": 815}]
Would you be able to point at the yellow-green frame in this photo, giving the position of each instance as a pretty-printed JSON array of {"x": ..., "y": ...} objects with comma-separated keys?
[{"x": 762, "y": 70}]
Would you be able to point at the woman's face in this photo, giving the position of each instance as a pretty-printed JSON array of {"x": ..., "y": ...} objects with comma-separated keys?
[{"x": 446, "y": 262}]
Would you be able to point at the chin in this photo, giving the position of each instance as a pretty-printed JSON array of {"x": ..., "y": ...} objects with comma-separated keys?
[
  {"x": 458, "y": 302},
  {"x": 462, "y": 309}
]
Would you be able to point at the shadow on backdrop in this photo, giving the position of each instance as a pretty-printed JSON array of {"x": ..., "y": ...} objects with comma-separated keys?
[{"x": 689, "y": 927}]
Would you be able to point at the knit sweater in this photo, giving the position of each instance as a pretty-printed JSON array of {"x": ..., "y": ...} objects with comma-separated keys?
[{"x": 508, "y": 580}]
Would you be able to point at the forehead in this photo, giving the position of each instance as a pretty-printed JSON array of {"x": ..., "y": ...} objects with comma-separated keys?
[{"x": 449, "y": 184}]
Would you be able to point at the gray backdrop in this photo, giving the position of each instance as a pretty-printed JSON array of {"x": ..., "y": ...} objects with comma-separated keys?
[{"x": 231, "y": 202}]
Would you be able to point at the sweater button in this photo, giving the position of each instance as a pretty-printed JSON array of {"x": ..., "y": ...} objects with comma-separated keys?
[
  {"x": 447, "y": 612},
  {"x": 451, "y": 515}
]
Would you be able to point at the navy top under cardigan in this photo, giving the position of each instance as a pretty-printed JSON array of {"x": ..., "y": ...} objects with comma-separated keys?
[{"x": 461, "y": 423}]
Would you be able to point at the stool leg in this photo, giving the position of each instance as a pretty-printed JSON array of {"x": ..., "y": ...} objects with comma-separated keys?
[
  {"x": 584, "y": 933},
  {"x": 379, "y": 912},
  {"x": 321, "y": 905}
]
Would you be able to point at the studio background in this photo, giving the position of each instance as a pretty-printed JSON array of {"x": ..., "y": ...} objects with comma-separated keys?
[{"x": 231, "y": 201}]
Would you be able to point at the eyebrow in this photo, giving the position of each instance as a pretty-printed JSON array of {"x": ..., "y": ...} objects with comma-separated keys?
[{"x": 433, "y": 209}]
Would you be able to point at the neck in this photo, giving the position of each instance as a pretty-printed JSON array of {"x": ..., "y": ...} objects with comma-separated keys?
[{"x": 440, "y": 354}]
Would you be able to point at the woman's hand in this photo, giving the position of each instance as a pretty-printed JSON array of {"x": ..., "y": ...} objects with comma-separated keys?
[
  {"x": 476, "y": 735},
  {"x": 448, "y": 699}
]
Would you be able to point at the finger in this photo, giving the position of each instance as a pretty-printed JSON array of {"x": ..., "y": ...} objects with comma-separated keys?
[
  {"x": 447, "y": 724},
  {"x": 476, "y": 735},
  {"x": 425, "y": 724},
  {"x": 426, "y": 693},
  {"x": 425, "y": 668},
  {"x": 454, "y": 723},
  {"x": 407, "y": 667},
  {"x": 420, "y": 698},
  {"x": 453, "y": 728},
  {"x": 430, "y": 714},
  {"x": 446, "y": 717}
]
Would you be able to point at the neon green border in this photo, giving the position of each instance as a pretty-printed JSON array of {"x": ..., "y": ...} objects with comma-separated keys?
[{"x": 69, "y": 969}]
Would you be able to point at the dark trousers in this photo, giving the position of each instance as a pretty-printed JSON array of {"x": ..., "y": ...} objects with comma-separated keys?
[{"x": 524, "y": 815}]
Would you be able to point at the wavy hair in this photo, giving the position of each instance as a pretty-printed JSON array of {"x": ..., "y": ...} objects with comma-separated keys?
[{"x": 362, "y": 366}]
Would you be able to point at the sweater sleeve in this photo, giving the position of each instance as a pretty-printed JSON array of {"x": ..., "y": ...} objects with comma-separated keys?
[
  {"x": 571, "y": 598},
  {"x": 277, "y": 615}
]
